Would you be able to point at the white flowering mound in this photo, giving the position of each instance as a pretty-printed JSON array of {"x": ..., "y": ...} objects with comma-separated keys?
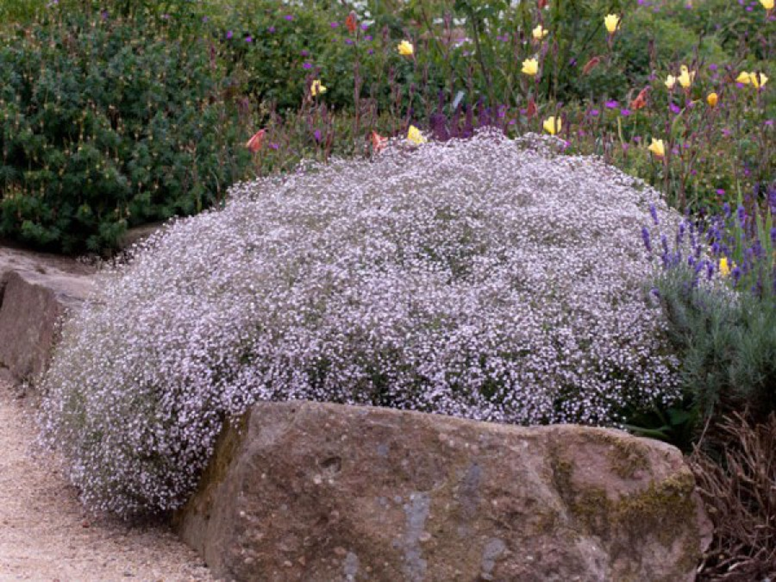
[{"x": 484, "y": 279}]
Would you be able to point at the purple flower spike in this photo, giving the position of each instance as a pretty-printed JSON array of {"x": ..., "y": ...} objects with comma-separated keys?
[
  {"x": 594, "y": 112},
  {"x": 653, "y": 213},
  {"x": 248, "y": 39},
  {"x": 773, "y": 235},
  {"x": 741, "y": 214},
  {"x": 307, "y": 66},
  {"x": 229, "y": 35},
  {"x": 289, "y": 17},
  {"x": 720, "y": 191},
  {"x": 611, "y": 104},
  {"x": 317, "y": 135},
  {"x": 645, "y": 238},
  {"x": 334, "y": 24},
  {"x": 625, "y": 112},
  {"x": 675, "y": 109}
]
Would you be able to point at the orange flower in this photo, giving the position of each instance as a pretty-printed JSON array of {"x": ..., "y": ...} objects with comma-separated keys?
[
  {"x": 378, "y": 142},
  {"x": 531, "y": 110},
  {"x": 590, "y": 65},
  {"x": 254, "y": 144},
  {"x": 641, "y": 100},
  {"x": 351, "y": 23}
]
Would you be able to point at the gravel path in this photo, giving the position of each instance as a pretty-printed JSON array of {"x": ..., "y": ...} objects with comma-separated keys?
[{"x": 46, "y": 535}]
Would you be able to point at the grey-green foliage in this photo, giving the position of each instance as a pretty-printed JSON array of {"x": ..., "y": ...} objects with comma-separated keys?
[{"x": 726, "y": 341}]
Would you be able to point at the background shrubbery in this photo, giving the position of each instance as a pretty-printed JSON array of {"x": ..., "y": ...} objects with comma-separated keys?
[
  {"x": 238, "y": 67},
  {"x": 108, "y": 123}
]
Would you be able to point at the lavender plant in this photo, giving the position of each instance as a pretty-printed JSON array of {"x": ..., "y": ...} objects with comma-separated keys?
[
  {"x": 486, "y": 279},
  {"x": 717, "y": 287}
]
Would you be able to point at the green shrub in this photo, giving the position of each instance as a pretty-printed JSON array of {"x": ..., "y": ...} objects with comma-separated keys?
[
  {"x": 19, "y": 11},
  {"x": 108, "y": 122},
  {"x": 273, "y": 51}
]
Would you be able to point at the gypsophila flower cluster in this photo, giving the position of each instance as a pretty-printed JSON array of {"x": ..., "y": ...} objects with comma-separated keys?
[{"x": 484, "y": 279}]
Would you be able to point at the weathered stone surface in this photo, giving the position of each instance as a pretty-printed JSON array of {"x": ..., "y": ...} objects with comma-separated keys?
[
  {"x": 322, "y": 492},
  {"x": 35, "y": 291}
]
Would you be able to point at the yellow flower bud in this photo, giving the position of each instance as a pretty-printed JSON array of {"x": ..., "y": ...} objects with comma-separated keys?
[
  {"x": 686, "y": 77},
  {"x": 531, "y": 66},
  {"x": 611, "y": 21},
  {"x": 552, "y": 125},
  {"x": 405, "y": 48},
  {"x": 414, "y": 135},
  {"x": 743, "y": 77},
  {"x": 657, "y": 147},
  {"x": 670, "y": 81},
  {"x": 757, "y": 80},
  {"x": 712, "y": 99},
  {"x": 317, "y": 88},
  {"x": 724, "y": 267},
  {"x": 539, "y": 32}
]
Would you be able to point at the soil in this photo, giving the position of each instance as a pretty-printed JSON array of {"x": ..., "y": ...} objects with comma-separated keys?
[{"x": 46, "y": 534}]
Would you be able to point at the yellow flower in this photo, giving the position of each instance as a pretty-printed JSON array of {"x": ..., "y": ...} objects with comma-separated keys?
[
  {"x": 767, "y": 4},
  {"x": 724, "y": 267},
  {"x": 317, "y": 88},
  {"x": 758, "y": 81},
  {"x": 657, "y": 147},
  {"x": 743, "y": 77},
  {"x": 539, "y": 32},
  {"x": 686, "y": 77},
  {"x": 611, "y": 21},
  {"x": 670, "y": 81},
  {"x": 405, "y": 48},
  {"x": 552, "y": 125},
  {"x": 415, "y": 136},
  {"x": 531, "y": 66},
  {"x": 712, "y": 99}
]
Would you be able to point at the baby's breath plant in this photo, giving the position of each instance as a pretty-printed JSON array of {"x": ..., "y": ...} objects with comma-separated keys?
[{"x": 484, "y": 279}]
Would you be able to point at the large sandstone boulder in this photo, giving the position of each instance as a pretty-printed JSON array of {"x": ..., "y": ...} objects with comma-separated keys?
[
  {"x": 322, "y": 492},
  {"x": 35, "y": 291}
]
